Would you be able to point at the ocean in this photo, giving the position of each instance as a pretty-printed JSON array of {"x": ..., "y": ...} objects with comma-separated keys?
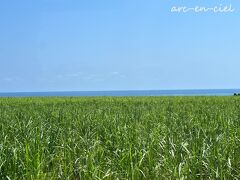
[{"x": 197, "y": 92}]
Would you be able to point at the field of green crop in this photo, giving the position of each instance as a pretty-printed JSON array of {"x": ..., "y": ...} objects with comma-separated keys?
[{"x": 120, "y": 138}]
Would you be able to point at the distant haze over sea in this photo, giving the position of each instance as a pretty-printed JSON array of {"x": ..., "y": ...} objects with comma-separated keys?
[{"x": 196, "y": 92}]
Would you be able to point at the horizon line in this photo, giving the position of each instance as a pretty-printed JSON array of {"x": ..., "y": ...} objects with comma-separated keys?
[{"x": 117, "y": 90}]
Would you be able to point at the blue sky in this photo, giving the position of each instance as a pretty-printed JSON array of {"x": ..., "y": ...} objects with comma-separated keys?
[{"x": 59, "y": 45}]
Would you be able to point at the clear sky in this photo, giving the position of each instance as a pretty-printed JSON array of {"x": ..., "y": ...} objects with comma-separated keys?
[{"x": 59, "y": 45}]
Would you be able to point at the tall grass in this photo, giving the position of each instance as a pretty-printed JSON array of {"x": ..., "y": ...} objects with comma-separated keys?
[{"x": 120, "y": 138}]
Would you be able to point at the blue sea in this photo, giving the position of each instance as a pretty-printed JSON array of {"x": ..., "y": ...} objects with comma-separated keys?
[{"x": 202, "y": 92}]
